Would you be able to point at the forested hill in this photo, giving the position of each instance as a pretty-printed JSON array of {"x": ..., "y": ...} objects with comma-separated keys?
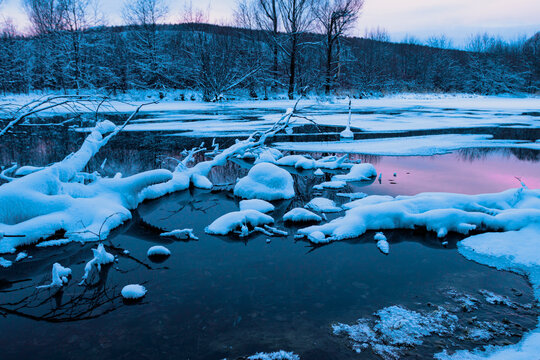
[{"x": 219, "y": 60}]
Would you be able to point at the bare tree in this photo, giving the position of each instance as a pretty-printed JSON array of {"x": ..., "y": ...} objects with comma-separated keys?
[
  {"x": 296, "y": 18},
  {"x": 378, "y": 34},
  {"x": 335, "y": 18},
  {"x": 145, "y": 15}
]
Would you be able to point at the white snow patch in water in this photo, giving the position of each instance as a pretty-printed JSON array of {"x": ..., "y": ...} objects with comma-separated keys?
[
  {"x": 321, "y": 204},
  {"x": 57, "y": 242},
  {"x": 358, "y": 172},
  {"x": 256, "y": 204},
  {"x": 266, "y": 181},
  {"x": 238, "y": 221},
  {"x": 301, "y": 215},
  {"x": 158, "y": 250},
  {"x": 5, "y": 263},
  {"x": 133, "y": 291},
  {"x": 101, "y": 257},
  {"x": 330, "y": 185},
  {"x": 20, "y": 256},
  {"x": 181, "y": 234}
]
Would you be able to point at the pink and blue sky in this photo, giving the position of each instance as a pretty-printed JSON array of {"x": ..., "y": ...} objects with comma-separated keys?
[{"x": 457, "y": 19}]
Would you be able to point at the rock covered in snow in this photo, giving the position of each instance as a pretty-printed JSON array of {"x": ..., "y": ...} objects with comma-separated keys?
[
  {"x": 238, "y": 221},
  {"x": 266, "y": 181},
  {"x": 133, "y": 291},
  {"x": 301, "y": 215},
  {"x": 330, "y": 185},
  {"x": 321, "y": 204},
  {"x": 317, "y": 237},
  {"x": 158, "y": 250},
  {"x": 5, "y": 263},
  {"x": 256, "y": 204},
  {"x": 358, "y": 172},
  {"x": 318, "y": 172},
  {"x": 20, "y": 256}
]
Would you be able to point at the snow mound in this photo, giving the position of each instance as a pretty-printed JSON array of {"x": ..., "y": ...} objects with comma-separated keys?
[
  {"x": 158, "y": 250},
  {"x": 301, "y": 215},
  {"x": 298, "y": 161},
  {"x": 240, "y": 221},
  {"x": 20, "y": 256},
  {"x": 439, "y": 212},
  {"x": 396, "y": 328},
  {"x": 183, "y": 234},
  {"x": 330, "y": 185},
  {"x": 256, "y": 204},
  {"x": 321, "y": 204},
  {"x": 265, "y": 181},
  {"x": 318, "y": 172},
  {"x": 133, "y": 291},
  {"x": 358, "y": 172},
  {"x": 278, "y": 355},
  {"x": 59, "y": 276}
]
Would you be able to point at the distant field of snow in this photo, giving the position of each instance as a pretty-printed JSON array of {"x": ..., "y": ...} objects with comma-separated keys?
[{"x": 407, "y": 146}]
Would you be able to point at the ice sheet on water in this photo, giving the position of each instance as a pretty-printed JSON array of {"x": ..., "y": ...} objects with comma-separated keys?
[{"x": 396, "y": 328}]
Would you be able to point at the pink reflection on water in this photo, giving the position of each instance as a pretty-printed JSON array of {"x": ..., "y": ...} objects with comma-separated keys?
[{"x": 452, "y": 173}]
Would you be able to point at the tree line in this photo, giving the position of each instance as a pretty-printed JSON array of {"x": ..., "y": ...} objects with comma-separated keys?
[{"x": 273, "y": 46}]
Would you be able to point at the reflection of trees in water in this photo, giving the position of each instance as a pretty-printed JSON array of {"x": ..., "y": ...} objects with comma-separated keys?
[
  {"x": 65, "y": 305},
  {"x": 475, "y": 154}
]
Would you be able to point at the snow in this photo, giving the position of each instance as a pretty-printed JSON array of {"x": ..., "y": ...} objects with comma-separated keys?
[
  {"x": 133, "y": 291},
  {"x": 265, "y": 181},
  {"x": 321, "y": 204},
  {"x": 59, "y": 197},
  {"x": 57, "y": 242},
  {"x": 59, "y": 276},
  {"x": 317, "y": 237},
  {"x": 297, "y": 161},
  {"x": 181, "y": 234},
  {"x": 382, "y": 243},
  {"x": 353, "y": 196},
  {"x": 301, "y": 215},
  {"x": 358, "y": 172},
  {"x": 396, "y": 328},
  {"x": 278, "y": 355},
  {"x": 330, "y": 185},
  {"x": 318, "y": 172},
  {"x": 408, "y": 145},
  {"x": 256, "y": 204},
  {"x": 439, "y": 212},
  {"x": 101, "y": 257},
  {"x": 158, "y": 250},
  {"x": 5, "y": 263},
  {"x": 20, "y": 256},
  {"x": 238, "y": 220}
]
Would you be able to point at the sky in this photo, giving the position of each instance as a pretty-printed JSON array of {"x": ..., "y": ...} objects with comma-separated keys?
[{"x": 456, "y": 19}]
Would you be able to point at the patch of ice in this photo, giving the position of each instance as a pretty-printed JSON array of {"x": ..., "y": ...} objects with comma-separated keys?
[
  {"x": 133, "y": 291},
  {"x": 301, "y": 215},
  {"x": 278, "y": 355},
  {"x": 496, "y": 299},
  {"x": 266, "y": 181},
  {"x": 256, "y": 204},
  {"x": 395, "y": 329}
]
